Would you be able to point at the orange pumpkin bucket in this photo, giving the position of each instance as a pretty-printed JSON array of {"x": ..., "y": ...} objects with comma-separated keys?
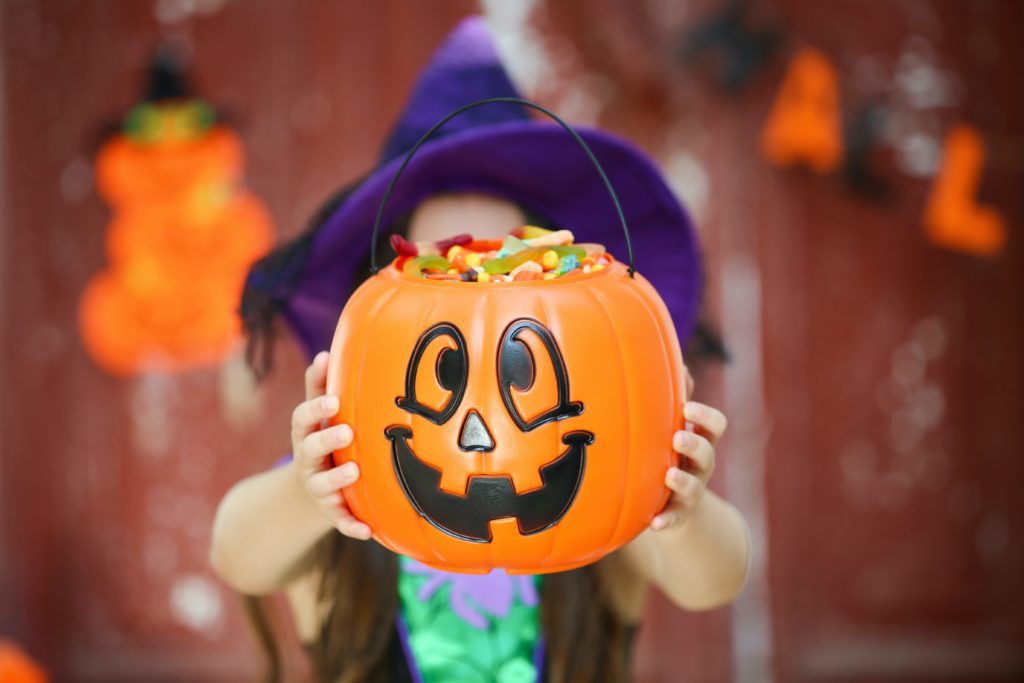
[{"x": 519, "y": 425}]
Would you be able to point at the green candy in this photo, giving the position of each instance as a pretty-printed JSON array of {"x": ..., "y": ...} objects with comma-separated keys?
[
  {"x": 415, "y": 266},
  {"x": 512, "y": 261},
  {"x": 512, "y": 245}
]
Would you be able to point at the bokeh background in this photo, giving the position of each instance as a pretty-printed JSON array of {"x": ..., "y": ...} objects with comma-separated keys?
[{"x": 875, "y": 391}]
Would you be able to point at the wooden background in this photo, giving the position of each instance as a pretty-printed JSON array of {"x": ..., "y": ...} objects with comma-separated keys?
[{"x": 876, "y": 390}]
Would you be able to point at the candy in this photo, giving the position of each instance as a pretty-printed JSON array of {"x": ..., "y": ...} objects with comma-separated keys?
[
  {"x": 416, "y": 266},
  {"x": 403, "y": 247},
  {"x": 530, "y": 231},
  {"x": 444, "y": 245},
  {"x": 526, "y": 267},
  {"x": 527, "y": 254},
  {"x": 591, "y": 249},
  {"x": 558, "y": 237},
  {"x": 484, "y": 245},
  {"x": 568, "y": 262},
  {"x": 426, "y": 249},
  {"x": 512, "y": 245},
  {"x": 527, "y": 276},
  {"x": 505, "y": 264},
  {"x": 549, "y": 260}
]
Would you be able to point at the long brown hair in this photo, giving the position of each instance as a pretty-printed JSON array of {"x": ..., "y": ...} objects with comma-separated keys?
[{"x": 586, "y": 637}]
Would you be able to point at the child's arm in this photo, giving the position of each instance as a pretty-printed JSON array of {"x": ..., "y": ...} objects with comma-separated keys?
[
  {"x": 697, "y": 550},
  {"x": 267, "y": 523}
]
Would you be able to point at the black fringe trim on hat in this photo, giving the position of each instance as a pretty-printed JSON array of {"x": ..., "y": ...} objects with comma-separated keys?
[
  {"x": 270, "y": 284},
  {"x": 705, "y": 346}
]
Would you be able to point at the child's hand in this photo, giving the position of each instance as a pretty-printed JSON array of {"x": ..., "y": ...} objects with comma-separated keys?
[
  {"x": 698, "y": 450},
  {"x": 312, "y": 447}
]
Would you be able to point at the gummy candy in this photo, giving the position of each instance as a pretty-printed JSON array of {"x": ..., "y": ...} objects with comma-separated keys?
[
  {"x": 416, "y": 266},
  {"x": 507, "y": 263},
  {"x": 403, "y": 247},
  {"x": 527, "y": 254},
  {"x": 444, "y": 245}
]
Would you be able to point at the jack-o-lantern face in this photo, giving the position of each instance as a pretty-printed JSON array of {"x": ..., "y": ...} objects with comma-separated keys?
[
  {"x": 488, "y": 496},
  {"x": 522, "y": 425}
]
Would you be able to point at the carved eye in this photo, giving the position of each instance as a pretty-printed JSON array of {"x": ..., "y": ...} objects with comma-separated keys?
[
  {"x": 434, "y": 389},
  {"x": 534, "y": 390}
]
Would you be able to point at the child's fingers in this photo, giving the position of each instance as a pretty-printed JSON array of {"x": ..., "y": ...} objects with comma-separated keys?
[
  {"x": 670, "y": 516},
  {"x": 312, "y": 450},
  {"x": 687, "y": 488},
  {"x": 353, "y": 528},
  {"x": 333, "y": 504},
  {"x": 342, "y": 517},
  {"x": 328, "y": 482},
  {"x": 710, "y": 421},
  {"x": 307, "y": 415},
  {"x": 699, "y": 451},
  {"x": 316, "y": 376},
  {"x": 326, "y": 441}
]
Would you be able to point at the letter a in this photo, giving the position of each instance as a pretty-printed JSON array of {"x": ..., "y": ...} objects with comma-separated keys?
[{"x": 805, "y": 125}]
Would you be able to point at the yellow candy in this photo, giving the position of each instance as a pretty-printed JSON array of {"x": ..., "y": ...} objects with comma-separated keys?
[
  {"x": 549, "y": 276},
  {"x": 549, "y": 260},
  {"x": 483, "y": 277},
  {"x": 472, "y": 259},
  {"x": 530, "y": 231},
  {"x": 599, "y": 266},
  {"x": 453, "y": 271},
  {"x": 452, "y": 252}
]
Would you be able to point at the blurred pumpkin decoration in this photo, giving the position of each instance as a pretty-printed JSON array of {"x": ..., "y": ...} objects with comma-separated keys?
[
  {"x": 183, "y": 234},
  {"x": 523, "y": 425},
  {"x": 17, "y": 667}
]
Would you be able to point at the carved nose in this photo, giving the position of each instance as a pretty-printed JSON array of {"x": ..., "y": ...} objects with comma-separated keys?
[{"x": 474, "y": 435}]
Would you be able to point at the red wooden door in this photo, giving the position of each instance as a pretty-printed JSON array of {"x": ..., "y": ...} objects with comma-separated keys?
[
  {"x": 892, "y": 373},
  {"x": 874, "y": 393},
  {"x": 108, "y": 487}
]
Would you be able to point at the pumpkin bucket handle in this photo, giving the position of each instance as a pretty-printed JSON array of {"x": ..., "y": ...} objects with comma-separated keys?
[{"x": 472, "y": 105}]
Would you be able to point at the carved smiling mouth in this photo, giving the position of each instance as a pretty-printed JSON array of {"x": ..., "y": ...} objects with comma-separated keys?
[{"x": 490, "y": 497}]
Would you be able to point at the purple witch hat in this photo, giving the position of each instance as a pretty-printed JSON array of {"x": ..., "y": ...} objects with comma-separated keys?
[{"x": 498, "y": 149}]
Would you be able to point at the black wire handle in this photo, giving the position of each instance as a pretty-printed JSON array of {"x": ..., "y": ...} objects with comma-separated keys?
[{"x": 472, "y": 105}]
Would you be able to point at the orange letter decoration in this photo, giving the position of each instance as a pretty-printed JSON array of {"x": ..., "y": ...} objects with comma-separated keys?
[
  {"x": 953, "y": 218},
  {"x": 805, "y": 125}
]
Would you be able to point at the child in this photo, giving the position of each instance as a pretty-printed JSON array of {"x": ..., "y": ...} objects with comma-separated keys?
[{"x": 367, "y": 615}]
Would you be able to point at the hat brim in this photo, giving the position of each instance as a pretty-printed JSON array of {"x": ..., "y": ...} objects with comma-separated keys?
[{"x": 536, "y": 165}]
